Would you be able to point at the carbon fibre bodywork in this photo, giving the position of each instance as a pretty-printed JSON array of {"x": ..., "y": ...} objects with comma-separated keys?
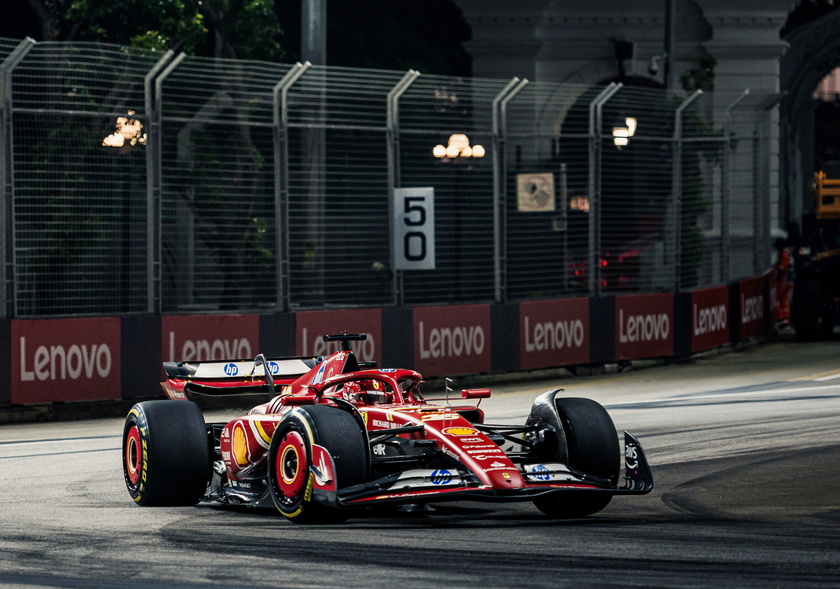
[{"x": 395, "y": 446}]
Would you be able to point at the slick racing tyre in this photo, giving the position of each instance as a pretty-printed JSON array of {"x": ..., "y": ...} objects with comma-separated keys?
[
  {"x": 591, "y": 446},
  {"x": 166, "y": 453},
  {"x": 290, "y": 460}
]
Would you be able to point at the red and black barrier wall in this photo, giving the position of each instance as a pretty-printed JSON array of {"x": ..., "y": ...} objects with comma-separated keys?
[{"x": 92, "y": 359}]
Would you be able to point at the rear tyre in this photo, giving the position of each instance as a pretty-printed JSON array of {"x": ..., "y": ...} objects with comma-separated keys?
[
  {"x": 588, "y": 443},
  {"x": 166, "y": 453},
  {"x": 290, "y": 460}
]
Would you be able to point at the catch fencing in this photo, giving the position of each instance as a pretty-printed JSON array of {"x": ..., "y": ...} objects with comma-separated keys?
[{"x": 147, "y": 182}]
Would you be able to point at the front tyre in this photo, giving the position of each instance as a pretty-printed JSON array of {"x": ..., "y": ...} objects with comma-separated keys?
[
  {"x": 588, "y": 443},
  {"x": 290, "y": 460},
  {"x": 166, "y": 453}
]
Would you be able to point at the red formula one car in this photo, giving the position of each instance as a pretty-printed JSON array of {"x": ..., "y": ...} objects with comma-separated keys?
[{"x": 337, "y": 437}]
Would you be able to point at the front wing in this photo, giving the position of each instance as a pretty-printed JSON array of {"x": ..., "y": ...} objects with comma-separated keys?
[{"x": 439, "y": 485}]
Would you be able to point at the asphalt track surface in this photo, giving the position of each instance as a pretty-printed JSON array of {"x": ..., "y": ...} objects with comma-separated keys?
[{"x": 745, "y": 451}]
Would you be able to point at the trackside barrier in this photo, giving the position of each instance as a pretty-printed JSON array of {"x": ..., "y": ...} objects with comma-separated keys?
[{"x": 94, "y": 359}]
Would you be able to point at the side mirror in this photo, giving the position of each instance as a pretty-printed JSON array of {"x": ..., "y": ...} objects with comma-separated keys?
[{"x": 475, "y": 393}]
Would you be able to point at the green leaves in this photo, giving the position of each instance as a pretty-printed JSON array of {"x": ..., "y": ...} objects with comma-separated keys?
[{"x": 247, "y": 29}]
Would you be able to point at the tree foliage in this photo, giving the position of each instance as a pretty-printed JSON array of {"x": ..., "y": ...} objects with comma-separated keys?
[{"x": 247, "y": 29}]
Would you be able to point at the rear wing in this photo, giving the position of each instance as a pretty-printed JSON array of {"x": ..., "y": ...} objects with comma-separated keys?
[{"x": 233, "y": 377}]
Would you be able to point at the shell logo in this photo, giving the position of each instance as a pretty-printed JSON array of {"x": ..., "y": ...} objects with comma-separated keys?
[
  {"x": 240, "y": 445},
  {"x": 460, "y": 431}
]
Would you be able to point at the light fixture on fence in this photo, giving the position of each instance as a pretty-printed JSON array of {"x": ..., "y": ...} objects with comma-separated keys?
[
  {"x": 458, "y": 146},
  {"x": 622, "y": 135},
  {"x": 129, "y": 132}
]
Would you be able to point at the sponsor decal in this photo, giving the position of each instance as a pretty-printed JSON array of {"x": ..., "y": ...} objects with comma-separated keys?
[
  {"x": 65, "y": 360},
  {"x": 312, "y": 326},
  {"x": 441, "y": 476},
  {"x": 752, "y": 308},
  {"x": 485, "y": 454},
  {"x": 378, "y": 423},
  {"x": 553, "y": 336},
  {"x": 379, "y": 449},
  {"x": 554, "y": 333},
  {"x": 240, "y": 445},
  {"x": 231, "y": 369},
  {"x": 452, "y": 341},
  {"x": 504, "y": 469},
  {"x": 644, "y": 326},
  {"x": 460, "y": 431},
  {"x": 446, "y": 337},
  {"x": 751, "y": 301},
  {"x": 473, "y": 440},
  {"x": 631, "y": 457},
  {"x": 709, "y": 318},
  {"x": 438, "y": 416},
  {"x": 539, "y": 472},
  {"x": 60, "y": 363},
  {"x": 209, "y": 337}
]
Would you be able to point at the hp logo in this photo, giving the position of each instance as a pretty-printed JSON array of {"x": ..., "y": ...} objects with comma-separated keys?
[{"x": 441, "y": 476}]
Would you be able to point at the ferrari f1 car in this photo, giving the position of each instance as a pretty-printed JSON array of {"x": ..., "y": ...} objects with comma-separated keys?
[{"x": 337, "y": 437}]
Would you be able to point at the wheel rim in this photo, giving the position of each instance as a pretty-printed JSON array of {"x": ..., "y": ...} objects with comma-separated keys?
[
  {"x": 291, "y": 465},
  {"x": 133, "y": 455}
]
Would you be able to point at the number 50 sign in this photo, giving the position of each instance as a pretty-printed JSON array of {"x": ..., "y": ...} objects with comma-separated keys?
[{"x": 414, "y": 228}]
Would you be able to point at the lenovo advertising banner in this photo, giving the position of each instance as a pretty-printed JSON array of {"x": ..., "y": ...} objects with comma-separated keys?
[
  {"x": 195, "y": 338},
  {"x": 751, "y": 304},
  {"x": 452, "y": 340},
  {"x": 553, "y": 333},
  {"x": 709, "y": 318},
  {"x": 773, "y": 294},
  {"x": 644, "y": 326},
  {"x": 312, "y": 326},
  {"x": 65, "y": 360}
]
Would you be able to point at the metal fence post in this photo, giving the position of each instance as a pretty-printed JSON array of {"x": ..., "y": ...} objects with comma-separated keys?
[
  {"x": 154, "y": 167},
  {"x": 281, "y": 182},
  {"x": 762, "y": 214},
  {"x": 153, "y": 170},
  {"x": 500, "y": 103},
  {"x": 595, "y": 123},
  {"x": 392, "y": 148},
  {"x": 726, "y": 200},
  {"x": 7, "y": 225},
  {"x": 676, "y": 188}
]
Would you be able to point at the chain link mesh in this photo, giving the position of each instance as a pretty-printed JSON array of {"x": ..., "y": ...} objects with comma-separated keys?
[{"x": 269, "y": 185}]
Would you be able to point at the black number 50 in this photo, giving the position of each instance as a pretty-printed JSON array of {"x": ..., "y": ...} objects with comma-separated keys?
[
  {"x": 412, "y": 208},
  {"x": 416, "y": 240}
]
